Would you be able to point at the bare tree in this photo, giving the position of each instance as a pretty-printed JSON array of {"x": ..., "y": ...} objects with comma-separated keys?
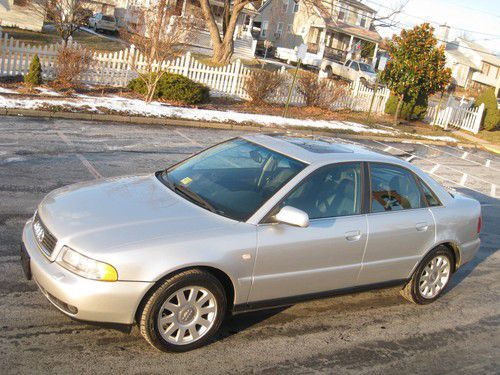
[
  {"x": 222, "y": 40},
  {"x": 66, "y": 15},
  {"x": 159, "y": 37}
]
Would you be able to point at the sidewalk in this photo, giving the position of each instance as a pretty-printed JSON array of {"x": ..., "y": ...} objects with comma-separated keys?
[{"x": 483, "y": 143}]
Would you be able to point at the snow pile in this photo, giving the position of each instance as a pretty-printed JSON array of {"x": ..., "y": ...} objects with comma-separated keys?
[{"x": 157, "y": 109}]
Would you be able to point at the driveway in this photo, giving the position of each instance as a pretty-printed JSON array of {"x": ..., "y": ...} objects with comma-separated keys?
[{"x": 373, "y": 332}]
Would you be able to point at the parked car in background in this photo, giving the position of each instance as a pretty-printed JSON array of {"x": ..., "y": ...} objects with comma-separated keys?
[
  {"x": 254, "y": 222},
  {"x": 102, "y": 22},
  {"x": 351, "y": 70}
]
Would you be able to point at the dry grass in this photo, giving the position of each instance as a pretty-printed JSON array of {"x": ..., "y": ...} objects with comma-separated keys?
[{"x": 49, "y": 36}]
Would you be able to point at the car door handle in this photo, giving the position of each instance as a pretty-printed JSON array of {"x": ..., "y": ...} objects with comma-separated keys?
[
  {"x": 422, "y": 227},
  {"x": 353, "y": 235}
]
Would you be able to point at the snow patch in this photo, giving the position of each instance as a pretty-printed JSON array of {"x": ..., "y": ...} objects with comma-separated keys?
[
  {"x": 4, "y": 90},
  {"x": 46, "y": 91}
]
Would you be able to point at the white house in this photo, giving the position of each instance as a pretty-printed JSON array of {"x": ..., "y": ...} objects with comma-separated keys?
[
  {"x": 335, "y": 30},
  {"x": 472, "y": 65}
]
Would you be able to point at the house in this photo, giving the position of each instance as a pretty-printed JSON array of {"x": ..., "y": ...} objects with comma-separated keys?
[
  {"x": 200, "y": 41},
  {"x": 333, "y": 30},
  {"x": 25, "y": 14},
  {"x": 472, "y": 65}
]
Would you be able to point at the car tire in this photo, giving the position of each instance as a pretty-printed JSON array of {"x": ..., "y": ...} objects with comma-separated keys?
[
  {"x": 431, "y": 277},
  {"x": 170, "y": 322}
]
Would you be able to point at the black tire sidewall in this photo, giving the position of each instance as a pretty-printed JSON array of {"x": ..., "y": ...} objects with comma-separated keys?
[
  {"x": 201, "y": 279},
  {"x": 440, "y": 250}
]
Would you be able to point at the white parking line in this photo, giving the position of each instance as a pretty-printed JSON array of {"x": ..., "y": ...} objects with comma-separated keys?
[
  {"x": 463, "y": 179},
  {"x": 435, "y": 168},
  {"x": 488, "y": 162},
  {"x": 464, "y": 155},
  {"x": 80, "y": 157},
  {"x": 189, "y": 139}
]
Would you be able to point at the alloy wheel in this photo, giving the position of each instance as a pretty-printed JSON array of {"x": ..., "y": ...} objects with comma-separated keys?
[
  {"x": 434, "y": 276},
  {"x": 187, "y": 315}
]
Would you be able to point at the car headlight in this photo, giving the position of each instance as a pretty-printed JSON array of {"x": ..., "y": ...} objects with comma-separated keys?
[{"x": 86, "y": 267}]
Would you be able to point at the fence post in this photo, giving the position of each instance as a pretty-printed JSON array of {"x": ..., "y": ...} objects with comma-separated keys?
[
  {"x": 478, "y": 119},
  {"x": 236, "y": 76},
  {"x": 187, "y": 63}
]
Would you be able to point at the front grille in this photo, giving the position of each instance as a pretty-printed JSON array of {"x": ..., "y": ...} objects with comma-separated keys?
[{"x": 45, "y": 239}]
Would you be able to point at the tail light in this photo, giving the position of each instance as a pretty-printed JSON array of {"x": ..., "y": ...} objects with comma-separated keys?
[{"x": 479, "y": 224}]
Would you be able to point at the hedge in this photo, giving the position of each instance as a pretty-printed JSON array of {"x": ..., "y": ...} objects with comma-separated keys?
[
  {"x": 174, "y": 87},
  {"x": 491, "y": 113},
  {"x": 412, "y": 109}
]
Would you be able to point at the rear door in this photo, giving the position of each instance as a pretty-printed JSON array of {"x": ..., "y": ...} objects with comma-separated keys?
[
  {"x": 400, "y": 225},
  {"x": 293, "y": 261}
]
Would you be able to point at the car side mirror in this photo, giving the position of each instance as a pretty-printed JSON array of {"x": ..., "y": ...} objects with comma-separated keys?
[{"x": 292, "y": 216}]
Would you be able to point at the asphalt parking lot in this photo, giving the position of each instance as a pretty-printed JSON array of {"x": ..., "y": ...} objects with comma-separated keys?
[{"x": 373, "y": 332}]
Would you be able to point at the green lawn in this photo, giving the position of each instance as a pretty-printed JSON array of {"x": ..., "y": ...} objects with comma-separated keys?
[{"x": 49, "y": 36}]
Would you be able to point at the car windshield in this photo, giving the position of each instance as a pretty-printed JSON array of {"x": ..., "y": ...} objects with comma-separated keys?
[
  {"x": 366, "y": 68},
  {"x": 108, "y": 18},
  {"x": 232, "y": 179}
]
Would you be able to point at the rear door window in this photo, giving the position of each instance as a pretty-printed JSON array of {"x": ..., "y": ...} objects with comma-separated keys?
[{"x": 393, "y": 189}]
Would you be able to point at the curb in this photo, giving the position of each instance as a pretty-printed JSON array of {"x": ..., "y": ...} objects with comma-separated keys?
[{"x": 168, "y": 121}]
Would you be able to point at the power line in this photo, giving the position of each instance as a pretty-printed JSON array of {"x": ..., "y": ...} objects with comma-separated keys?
[{"x": 434, "y": 22}]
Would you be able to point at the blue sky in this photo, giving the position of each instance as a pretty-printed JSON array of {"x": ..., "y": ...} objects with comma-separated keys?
[{"x": 479, "y": 16}]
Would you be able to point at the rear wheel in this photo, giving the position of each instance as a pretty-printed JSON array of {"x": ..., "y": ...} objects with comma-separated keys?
[
  {"x": 431, "y": 277},
  {"x": 185, "y": 312}
]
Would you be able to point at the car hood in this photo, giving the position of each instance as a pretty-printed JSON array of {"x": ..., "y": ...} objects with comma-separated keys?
[{"x": 101, "y": 215}]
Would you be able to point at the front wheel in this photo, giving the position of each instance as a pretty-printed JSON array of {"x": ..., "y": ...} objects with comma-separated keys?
[
  {"x": 431, "y": 277},
  {"x": 184, "y": 312}
]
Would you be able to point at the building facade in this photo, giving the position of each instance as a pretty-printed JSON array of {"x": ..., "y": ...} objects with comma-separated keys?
[{"x": 334, "y": 30}]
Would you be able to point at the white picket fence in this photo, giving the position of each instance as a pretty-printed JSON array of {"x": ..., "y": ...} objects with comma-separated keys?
[
  {"x": 456, "y": 116},
  {"x": 118, "y": 68}
]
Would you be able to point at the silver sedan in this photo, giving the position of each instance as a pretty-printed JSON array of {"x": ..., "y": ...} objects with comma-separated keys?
[{"x": 254, "y": 222}]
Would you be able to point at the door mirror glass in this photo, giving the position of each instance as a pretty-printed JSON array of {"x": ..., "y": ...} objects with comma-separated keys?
[{"x": 292, "y": 216}]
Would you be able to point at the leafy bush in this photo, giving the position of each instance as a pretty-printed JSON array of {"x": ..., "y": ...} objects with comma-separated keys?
[
  {"x": 174, "y": 87},
  {"x": 491, "y": 118},
  {"x": 320, "y": 93},
  {"x": 70, "y": 63},
  {"x": 34, "y": 76},
  {"x": 412, "y": 109},
  {"x": 262, "y": 84}
]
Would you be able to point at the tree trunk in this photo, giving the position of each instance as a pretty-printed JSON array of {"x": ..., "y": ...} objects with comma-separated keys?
[
  {"x": 223, "y": 52},
  {"x": 398, "y": 109}
]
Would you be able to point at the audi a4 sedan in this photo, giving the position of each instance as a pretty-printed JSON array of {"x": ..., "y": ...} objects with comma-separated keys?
[{"x": 254, "y": 222}]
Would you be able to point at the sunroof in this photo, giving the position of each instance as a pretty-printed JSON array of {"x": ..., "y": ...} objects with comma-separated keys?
[{"x": 317, "y": 146}]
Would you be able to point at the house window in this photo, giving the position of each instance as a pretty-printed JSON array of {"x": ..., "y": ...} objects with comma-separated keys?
[
  {"x": 285, "y": 6},
  {"x": 289, "y": 28},
  {"x": 295, "y": 6},
  {"x": 343, "y": 14},
  {"x": 263, "y": 31},
  {"x": 279, "y": 30}
]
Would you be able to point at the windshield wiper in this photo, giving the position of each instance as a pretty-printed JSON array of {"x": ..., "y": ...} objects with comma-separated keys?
[{"x": 188, "y": 193}]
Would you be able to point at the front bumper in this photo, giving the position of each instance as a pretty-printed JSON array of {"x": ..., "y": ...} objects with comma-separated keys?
[{"x": 99, "y": 301}]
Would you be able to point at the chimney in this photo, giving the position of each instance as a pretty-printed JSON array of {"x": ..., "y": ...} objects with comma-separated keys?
[{"x": 443, "y": 34}]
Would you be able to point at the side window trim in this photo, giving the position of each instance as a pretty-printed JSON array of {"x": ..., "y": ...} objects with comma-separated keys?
[
  {"x": 266, "y": 218},
  {"x": 416, "y": 179},
  {"x": 420, "y": 184}
]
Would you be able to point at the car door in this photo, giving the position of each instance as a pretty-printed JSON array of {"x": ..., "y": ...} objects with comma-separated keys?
[
  {"x": 324, "y": 256},
  {"x": 400, "y": 225}
]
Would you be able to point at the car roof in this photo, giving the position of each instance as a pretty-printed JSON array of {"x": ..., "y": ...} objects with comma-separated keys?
[{"x": 318, "y": 150}]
